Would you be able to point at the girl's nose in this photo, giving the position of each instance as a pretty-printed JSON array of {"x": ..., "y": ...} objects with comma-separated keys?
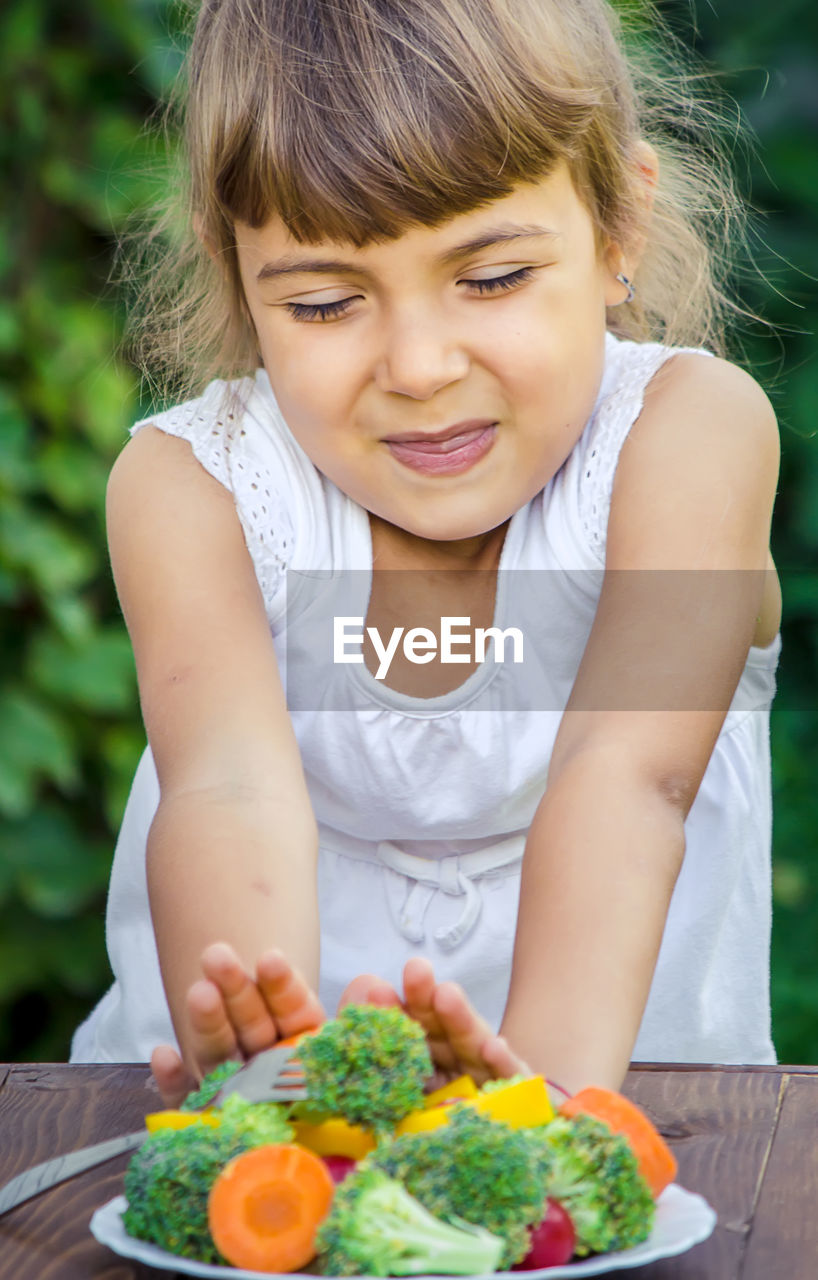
[{"x": 419, "y": 358}]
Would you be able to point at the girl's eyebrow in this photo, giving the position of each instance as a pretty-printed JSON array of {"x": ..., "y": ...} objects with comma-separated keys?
[
  {"x": 495, "y": 235},
  {"x": 288, "y": 265}
]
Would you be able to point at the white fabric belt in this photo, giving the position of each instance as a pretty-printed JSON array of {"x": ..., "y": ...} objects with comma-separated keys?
[{"x": 453, "y": 874}]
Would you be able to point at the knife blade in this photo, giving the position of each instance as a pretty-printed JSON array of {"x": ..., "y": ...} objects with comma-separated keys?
[{"x": 263, "y": 1079}]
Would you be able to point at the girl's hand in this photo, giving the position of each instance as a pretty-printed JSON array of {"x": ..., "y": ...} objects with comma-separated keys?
[
  {"x": 460, "y": 1041},
  {"x": 233, "y": 1016}
]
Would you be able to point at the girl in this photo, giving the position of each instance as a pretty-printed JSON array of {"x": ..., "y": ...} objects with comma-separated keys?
[{"x": 465, "y": 312}]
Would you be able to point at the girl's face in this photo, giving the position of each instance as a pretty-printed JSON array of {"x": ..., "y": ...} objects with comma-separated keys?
[{"x": 440, "y": 379}]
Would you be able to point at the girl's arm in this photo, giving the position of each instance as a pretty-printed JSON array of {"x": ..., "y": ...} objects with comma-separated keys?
[
  {"x": 686, "y": 581},
  {"x": 689, "y": 586},
  {"x": 232, "y": 850}
]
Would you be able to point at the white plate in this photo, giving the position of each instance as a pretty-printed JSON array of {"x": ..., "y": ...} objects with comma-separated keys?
[{"x": 682, "y": 1220}]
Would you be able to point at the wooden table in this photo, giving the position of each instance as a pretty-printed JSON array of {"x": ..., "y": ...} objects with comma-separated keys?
[{"x": 746, "y": 1139}]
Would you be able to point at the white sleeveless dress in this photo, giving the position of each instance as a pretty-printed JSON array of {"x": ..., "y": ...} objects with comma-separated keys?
[{"x": 423, "y": 804}]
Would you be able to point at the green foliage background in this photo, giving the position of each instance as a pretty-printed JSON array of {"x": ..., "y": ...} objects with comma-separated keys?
[{"x": 78, "y": 84}]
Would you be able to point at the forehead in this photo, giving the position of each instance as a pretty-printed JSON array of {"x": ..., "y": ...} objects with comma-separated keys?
[{"x": 549, "y": 207}]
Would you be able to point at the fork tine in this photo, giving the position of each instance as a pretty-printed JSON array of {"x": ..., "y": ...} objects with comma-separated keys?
[
  {"x": 277, "y": 1094},
  {"x": 270, "y": 1076}
]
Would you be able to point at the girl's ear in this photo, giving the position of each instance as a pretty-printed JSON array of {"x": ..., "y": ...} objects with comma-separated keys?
[
  {"x": 201, "y": 235},
  {"x": 646, "y": 163},
  {"x": 623, "y": 259}
]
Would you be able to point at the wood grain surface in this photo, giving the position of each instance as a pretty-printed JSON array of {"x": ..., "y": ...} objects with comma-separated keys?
[
  {"x": 45, "y": 1111},
  {"x": 720, "y": 1126},
  {"x": 745, "y": 1138},
  {"x": 785, "y": 1224}
]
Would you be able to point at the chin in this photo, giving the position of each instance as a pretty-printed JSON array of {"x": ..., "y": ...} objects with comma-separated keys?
[{"x": 450, "y": 527}]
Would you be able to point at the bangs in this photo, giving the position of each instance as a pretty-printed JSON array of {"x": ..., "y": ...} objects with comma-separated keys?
[{"x": 353, "y": 120}]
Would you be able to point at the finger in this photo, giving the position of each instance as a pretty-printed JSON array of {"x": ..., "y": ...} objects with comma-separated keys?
[
  {"x": 245, "y": 1007},
  {"x": 466, "y": 1032},
  {"x": 212, "y": 1036},
  {"x": 172, "y": 1077},
  {"x": 290, "y": 1001},
  {"x": 420, "y": 987},
  {"x": 368, "y": 989},
  {"x": 501, "y": 1059}
]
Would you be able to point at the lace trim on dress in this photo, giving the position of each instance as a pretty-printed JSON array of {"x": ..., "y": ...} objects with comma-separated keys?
[
  {"x": 617, "y": 411},
  {"x": 213, "y": 427}
]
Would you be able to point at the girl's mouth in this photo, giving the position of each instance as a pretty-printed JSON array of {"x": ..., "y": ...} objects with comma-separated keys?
[{"x": 445, "y": 453}]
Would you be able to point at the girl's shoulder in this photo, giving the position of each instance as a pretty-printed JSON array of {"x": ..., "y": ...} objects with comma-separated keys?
[
  {"x": 236, "y": 432},
  {"x": 688, "y": 392},
  {"x": 708, "y": 414},
  {"x": 639, "y": 373},
  {"x": 228, "y": 426},
  {"x": 696, "y": 479}
]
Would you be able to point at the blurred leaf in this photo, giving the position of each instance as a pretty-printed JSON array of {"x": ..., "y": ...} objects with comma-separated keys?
[
  {"x": 19, "y": 969},
  {"x": 106, "y": 405},
  {"x": 9, "y": 331},
  {"x": 10, "y": 589},
  {"x": 73, "y": 475},
  {"x": 97, "y": 675},
  {"x": 55, "y": 870},
  {"x": 41, "y": 547},
  {"x": 17, "y": 469},
  {"x": 790, "y": 885},
  {"x": 73, "y": 618},
  {"x": 34, "y": 744},
  {"x": 21, "y": 31}
]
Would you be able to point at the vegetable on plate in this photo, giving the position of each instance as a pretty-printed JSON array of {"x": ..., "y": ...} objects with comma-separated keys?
[
  {"x": 657, "y": 1164},
  {"x": 266, "y": 1205},
  {"x": 375, "y": 1227}
]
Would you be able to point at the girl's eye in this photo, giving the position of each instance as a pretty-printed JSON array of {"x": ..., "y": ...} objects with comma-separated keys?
[
  {"x": 497, "y": 284},
  {"x": 319, "y": 310}
]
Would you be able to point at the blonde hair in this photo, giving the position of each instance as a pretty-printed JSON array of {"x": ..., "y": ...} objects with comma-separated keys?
[{"x": 355, "y": 119}]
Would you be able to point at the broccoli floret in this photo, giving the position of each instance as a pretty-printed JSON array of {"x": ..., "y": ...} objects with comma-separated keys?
[
  {"x": 594, "y": 1174},
  {"x": 376, "y": 1227},
  {"x": 475, "y": 1169},
  {"x": 264, "y": 1123},
  {"x": 367, "y": 1065},
  {"x": 169, "y": 1177},
  {"x": 210, "y": 1086}
]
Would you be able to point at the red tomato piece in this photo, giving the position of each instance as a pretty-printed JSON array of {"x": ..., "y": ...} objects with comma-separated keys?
[{"x": 552, "y": 1240}]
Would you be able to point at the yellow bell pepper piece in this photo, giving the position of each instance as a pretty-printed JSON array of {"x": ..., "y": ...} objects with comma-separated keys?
[
  {"x": 462, "y": 1088},
  {"x": 520, "y": 1105},
  {"x": 335, "y": 1137},
  {"x": 424, "y": 1121},
  {"x": 179, "y": 1119}
]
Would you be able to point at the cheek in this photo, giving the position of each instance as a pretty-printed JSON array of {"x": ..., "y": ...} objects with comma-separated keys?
[
  {"x": 550, "y": 369},
  {"x": 314, "y": 375},
  {"x": 309, "y": 402}
]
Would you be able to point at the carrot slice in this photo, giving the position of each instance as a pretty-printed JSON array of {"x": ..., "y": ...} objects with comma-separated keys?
[
  {"x": 299, "y": 1035},
  {"x": 657, "y": 1163},
  {"x": 266, "y": 1206}
]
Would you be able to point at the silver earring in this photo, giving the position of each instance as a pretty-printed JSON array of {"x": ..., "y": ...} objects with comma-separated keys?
[{"x": 623, "y": 279}]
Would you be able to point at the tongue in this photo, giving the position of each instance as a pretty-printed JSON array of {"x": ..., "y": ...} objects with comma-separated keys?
[{"x": 440, "y": 446}]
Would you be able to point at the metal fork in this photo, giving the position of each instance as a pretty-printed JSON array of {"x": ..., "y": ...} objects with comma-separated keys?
[{"x": 269, "y": 1077}]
